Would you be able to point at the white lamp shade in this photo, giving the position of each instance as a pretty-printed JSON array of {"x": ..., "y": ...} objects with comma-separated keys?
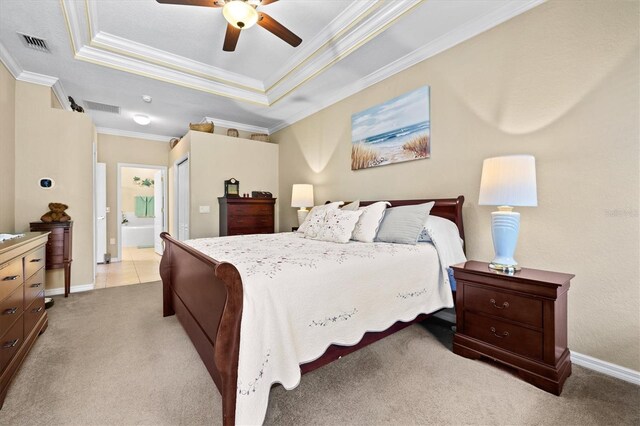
[
  {"x": 302, "y": 195},
  {"x": 509, "y": 181}
]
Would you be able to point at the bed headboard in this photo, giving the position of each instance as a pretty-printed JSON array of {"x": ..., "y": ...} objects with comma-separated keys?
[{"x": 448, "y": 208}]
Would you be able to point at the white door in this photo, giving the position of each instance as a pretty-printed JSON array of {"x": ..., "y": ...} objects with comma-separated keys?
[
  {"x": 101, "y": 211},
  {"x": 158, "y": 210},
  {"x": 183, "y": 200}
]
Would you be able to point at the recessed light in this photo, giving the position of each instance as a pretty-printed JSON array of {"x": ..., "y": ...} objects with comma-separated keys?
[
  {"x": 141, "y": 119},
  {"x": 147, "y": 98}
]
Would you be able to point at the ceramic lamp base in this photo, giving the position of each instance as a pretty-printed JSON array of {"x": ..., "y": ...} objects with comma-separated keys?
[
  {"x": 302, "y": 215},
  {"x": 505, "y": 226}
]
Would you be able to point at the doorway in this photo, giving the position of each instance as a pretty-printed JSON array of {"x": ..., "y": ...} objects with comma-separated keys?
[{"x": 141, "y": 199}]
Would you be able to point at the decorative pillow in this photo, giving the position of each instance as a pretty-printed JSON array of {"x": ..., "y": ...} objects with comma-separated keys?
[
  {"x": 403, "y": 224},
  {"x": 337, "y": 227},
  {"x": 317, "y": 213},
  {"x": 368, "y": 224},
  {"x": 351, "y": 206},
  {"x": 438, "y": 224}
]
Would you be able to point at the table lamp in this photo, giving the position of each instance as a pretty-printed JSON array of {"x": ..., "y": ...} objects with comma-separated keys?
[
  {"x": 507, "y": 182},
  {"x": 302, "y": 196}
]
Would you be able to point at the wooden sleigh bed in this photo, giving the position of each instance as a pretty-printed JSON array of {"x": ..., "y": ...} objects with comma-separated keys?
[{"x": 207, "y": 297}]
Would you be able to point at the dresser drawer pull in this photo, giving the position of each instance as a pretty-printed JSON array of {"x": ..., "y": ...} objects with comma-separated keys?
[
  {"x": 35, "y": 260},
  {"x": 504, "y": 334},
  {"x": 10, "y": 344},
  {"x": 504, "y": 305},
  {"x": 11, "y": 278},
  {"x": 35, "y": 311},
  {"x": 10, "y": 311},
  {"x": 36, "y": 285}
]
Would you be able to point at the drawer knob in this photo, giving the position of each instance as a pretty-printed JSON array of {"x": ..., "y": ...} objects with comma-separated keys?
[
  {"x": 504, "y": 305},
  {"x": 10, "y": 343},
  {"x": 35, "y": 311},
  {"x": 11, "y": 278},
  {"x": 503, "y": 335},
  {"x": 10, "y": 311},
  {"x": 35, "y": 260},
  {"x": 36, "y": 285}
]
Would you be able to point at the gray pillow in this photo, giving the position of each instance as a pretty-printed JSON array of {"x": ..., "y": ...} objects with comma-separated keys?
[{"x": 404, "y": 224}]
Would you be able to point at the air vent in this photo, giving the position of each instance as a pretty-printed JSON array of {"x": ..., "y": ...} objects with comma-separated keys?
[
  {"x": 97, "y": 106},
  {"x": 33, "y": 42}
]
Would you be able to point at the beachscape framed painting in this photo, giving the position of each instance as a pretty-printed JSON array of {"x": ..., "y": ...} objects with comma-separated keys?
[{"x": 392, "y": 132}]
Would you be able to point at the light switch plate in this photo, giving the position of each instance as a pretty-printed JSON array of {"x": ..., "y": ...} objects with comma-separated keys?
[
  {"x": 112, "y": 241},
  {"x": 108, "y": 210},
  {"x": 205, "y": 209}
]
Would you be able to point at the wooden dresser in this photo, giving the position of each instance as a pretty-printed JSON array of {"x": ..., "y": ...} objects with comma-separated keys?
[
  {"x": 519, "y": 320},
  {"x": 58, "y": 247},
  {"x": 240, "y": 215},
  {"x": 22, "y": 313}
]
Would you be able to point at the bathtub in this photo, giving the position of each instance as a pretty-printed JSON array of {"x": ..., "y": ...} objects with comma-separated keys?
[{"x": 138, "y": 232}]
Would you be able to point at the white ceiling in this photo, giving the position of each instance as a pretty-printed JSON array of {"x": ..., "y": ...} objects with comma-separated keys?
[{"x": 115, "y": 51}]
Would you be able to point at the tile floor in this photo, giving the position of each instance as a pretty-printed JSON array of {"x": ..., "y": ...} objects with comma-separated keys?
[{"x": 137, "y": 266}]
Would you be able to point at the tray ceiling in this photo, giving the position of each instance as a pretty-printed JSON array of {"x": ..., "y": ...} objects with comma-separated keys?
[{"x": 113, "y": 52}]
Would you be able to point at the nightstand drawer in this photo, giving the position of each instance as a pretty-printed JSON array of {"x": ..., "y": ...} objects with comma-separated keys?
[
  {"x": 504, "y": 335},
  {"x": 505, "y": 305}
]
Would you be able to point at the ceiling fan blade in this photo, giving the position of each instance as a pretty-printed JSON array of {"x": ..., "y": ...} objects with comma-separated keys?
[
  {"x": 266, "y": 2},
  {"x": 276, "y": 28},
  {"x": 206, "y": 3},
  {"x": 231, "y": 38}
]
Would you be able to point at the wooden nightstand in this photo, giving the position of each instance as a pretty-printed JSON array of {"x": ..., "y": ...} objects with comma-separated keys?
[{"x": 519, "y": 320}]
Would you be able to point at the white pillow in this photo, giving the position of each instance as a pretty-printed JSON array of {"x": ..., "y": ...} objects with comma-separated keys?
[
  {"x": 352, "y": 206},
  {"x": 317, "y": 213},
  {"x": 368, "y": 224},
  {"x": 437, "y": 224},
  {"x": 337, "y": 227}
]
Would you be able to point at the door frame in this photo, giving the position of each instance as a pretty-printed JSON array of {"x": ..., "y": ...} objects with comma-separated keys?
[
  {"x": 165, "y": 192},
  {"x": 176, "y": 203}
]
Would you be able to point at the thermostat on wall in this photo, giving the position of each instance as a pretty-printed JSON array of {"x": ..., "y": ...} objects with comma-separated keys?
[{"x": 46, "y": 183}]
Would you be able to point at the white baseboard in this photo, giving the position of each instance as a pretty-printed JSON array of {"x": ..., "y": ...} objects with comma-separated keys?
[
  {"x": 74, "y": 289},
  {"x": 604, "y": 367}
]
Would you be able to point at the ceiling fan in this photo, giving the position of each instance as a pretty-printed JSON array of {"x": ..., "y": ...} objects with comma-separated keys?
[{"x": 240, "y": 15}]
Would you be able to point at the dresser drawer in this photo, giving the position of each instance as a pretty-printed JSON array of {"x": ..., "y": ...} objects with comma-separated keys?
[
  {"x": 505, "y": 305},
  {"x": 251, "y": 210},
  {"x": 10, "y": 309},
  {"x": 10, "y": 343},
  {"x": 245, "y": 230},
  {"x": 33, "y": 313},
  {"x": 33, "y": 287},
  {"x": 11, "y": 272},
  {"x": 242, "y": 221},
  {"x": 520, "y": 340},
  {"x": 34, "y": 261}
]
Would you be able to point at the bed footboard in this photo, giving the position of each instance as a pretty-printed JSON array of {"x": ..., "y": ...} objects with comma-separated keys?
[{"x": 206, "y": 296}]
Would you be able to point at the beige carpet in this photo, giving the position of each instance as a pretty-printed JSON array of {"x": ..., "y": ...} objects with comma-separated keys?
[{"x": 109, "y": 357}]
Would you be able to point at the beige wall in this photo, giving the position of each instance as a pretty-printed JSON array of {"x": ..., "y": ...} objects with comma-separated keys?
[
  {"x": 216, "y": 158},
  {"x": 120, "y": 149},
  {"x": 213, "y": 159},
  {"x": 7, "y": 150},
  {"x": 56, "y": 144},
  {"x": 559, "y": 82}
]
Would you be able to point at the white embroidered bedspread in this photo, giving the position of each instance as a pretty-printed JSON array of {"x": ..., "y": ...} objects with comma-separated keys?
[{"x": 301, "y": 295}]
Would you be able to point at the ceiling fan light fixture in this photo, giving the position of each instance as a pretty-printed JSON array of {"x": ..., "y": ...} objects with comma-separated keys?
[
  {"x": 240, "y": 14},
  {"x": 141, "y": 119}
]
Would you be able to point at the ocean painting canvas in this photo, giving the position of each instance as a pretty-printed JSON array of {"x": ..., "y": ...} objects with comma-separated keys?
[{"x": 395, "y": 131}]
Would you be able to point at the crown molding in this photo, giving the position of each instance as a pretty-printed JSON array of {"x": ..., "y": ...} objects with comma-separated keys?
[
  {"x": 350, "y": 42},
  {"x": 162, "y": 58},
  {"x": 441, "y": 44},
  {"x": 12, "y": 65},
  {"x": 47, "y": 80},
  {"x": 134, "y": 66},
  {"x": 352, "y": 14},
  {"x": 234, "y": 125},
  {"x": 130, "y": 134}
]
